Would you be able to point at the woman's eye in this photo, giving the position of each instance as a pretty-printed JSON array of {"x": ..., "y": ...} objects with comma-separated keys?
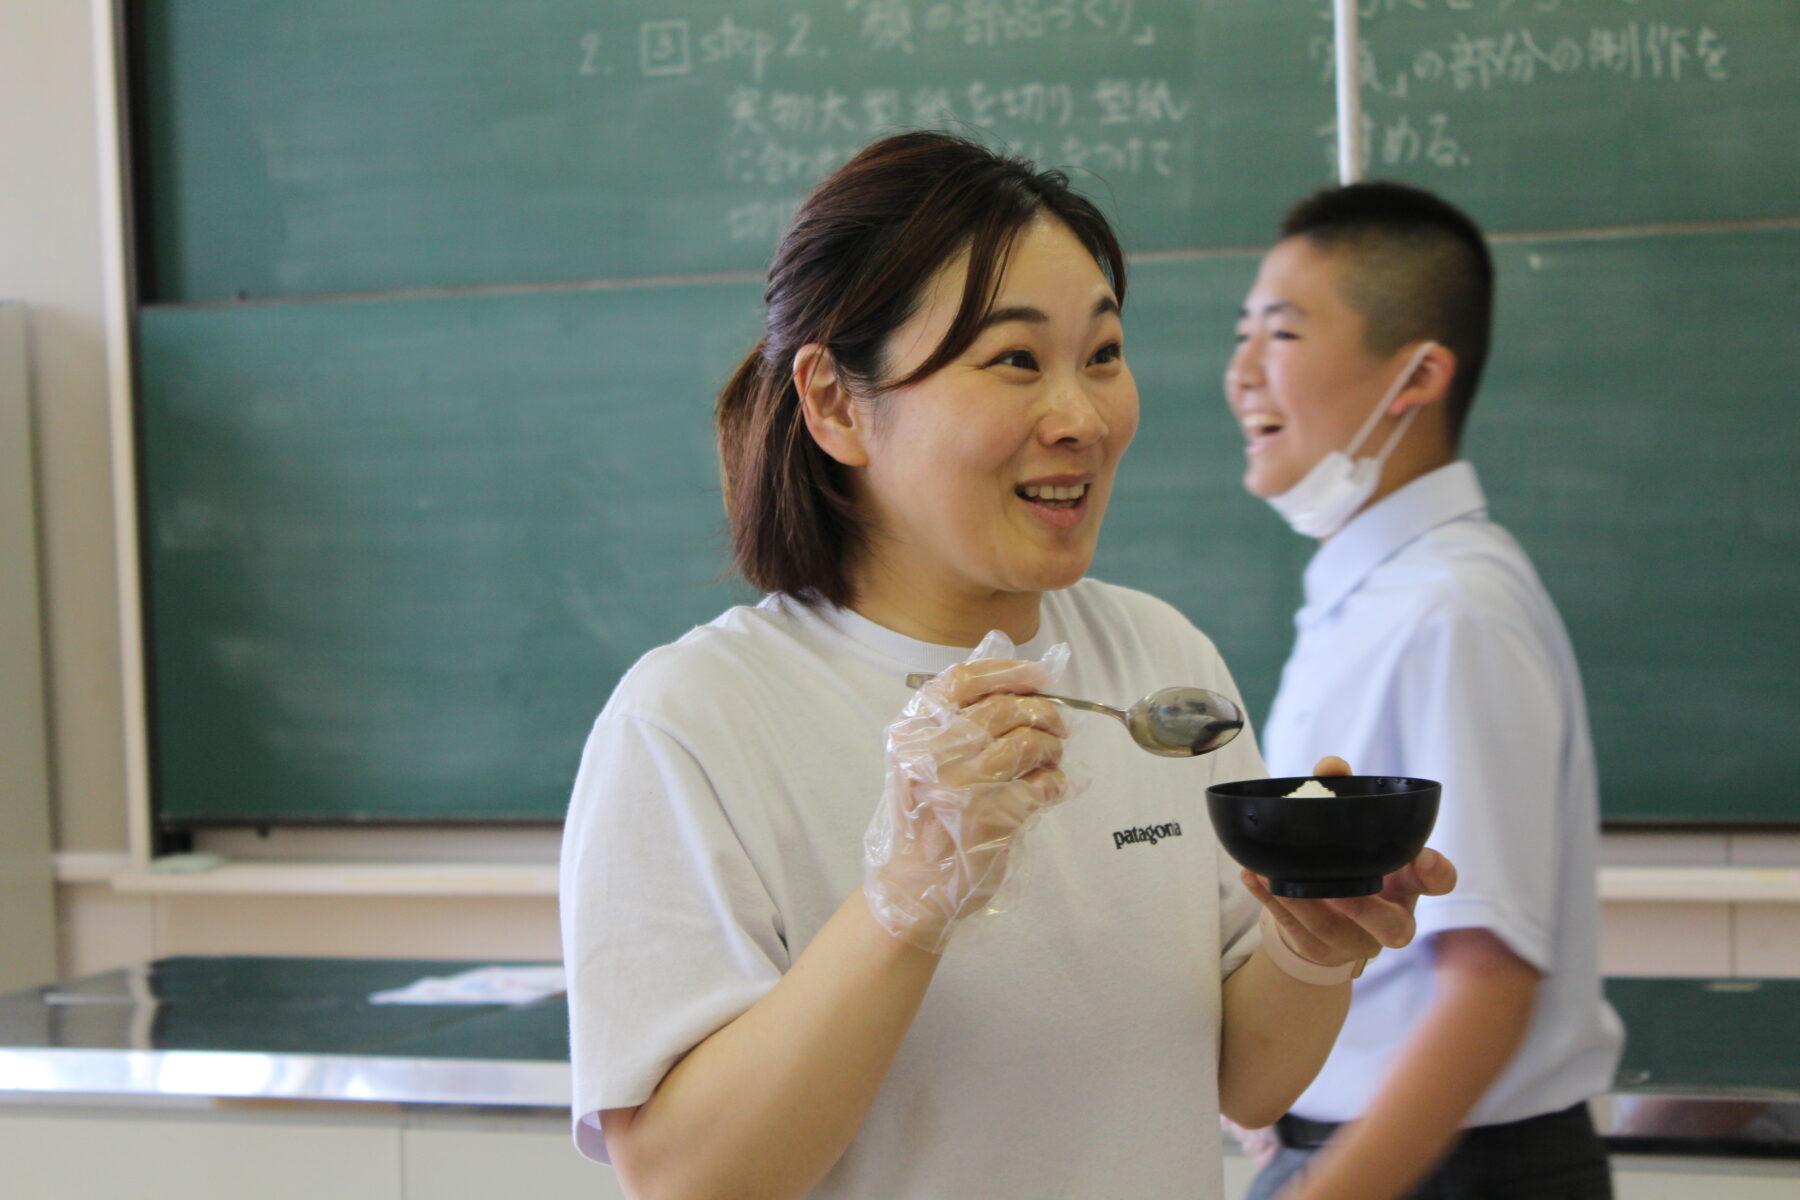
[
  {"x": 1110, "y": 353},
  {"x": 1022, "y": 359},
  {"x": 1285, "y": 335}
]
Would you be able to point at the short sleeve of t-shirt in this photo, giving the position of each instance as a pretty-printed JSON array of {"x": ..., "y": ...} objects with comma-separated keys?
[
  {"x": 1482, "y": 714},
  {"x": 669, "y": 930}
]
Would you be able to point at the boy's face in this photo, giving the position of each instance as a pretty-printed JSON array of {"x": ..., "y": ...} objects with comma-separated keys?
[{"x": 1301, "y": 381}]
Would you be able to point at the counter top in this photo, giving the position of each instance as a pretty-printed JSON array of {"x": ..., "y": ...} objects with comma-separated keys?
[
  {"x": 1711, "y": 1066},
  {"x": 287, "y": 1028}
]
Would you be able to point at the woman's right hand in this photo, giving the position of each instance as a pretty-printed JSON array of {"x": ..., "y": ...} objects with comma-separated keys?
[{"x": 971, "y": 762}]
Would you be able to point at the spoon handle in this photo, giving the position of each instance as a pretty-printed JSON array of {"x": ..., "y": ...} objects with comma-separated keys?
[
  {"x": 1087, "y": 706},
  {"x": 920, "y": 678}
]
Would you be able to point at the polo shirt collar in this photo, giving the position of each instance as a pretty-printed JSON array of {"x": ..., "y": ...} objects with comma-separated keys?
[{"x": 1380, "y": 531}]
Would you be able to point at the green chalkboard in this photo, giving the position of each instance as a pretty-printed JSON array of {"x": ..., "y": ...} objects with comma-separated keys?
[
  {"x": 400, "y": 550},
  {"x": 435, "y": 299},
  {"x": 1641, "y": 424},
  {"x": 307, "y": 147},
  {"x": 1577, "y": 114},
  {"x": 340, "y": 146}
]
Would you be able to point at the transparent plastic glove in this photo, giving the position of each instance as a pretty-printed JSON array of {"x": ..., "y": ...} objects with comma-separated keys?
[
  {"x": 1260, "y": 1146},
  {"x": 971, "y": 763}
]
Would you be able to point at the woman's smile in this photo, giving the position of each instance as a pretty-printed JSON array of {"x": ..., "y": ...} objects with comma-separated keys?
[{"x": 1058, "y": 504}]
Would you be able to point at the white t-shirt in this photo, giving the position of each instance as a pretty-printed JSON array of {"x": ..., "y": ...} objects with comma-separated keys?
[
  {"x": 1428, "y": 647},
  {"x": 1068, "y": 1047}
]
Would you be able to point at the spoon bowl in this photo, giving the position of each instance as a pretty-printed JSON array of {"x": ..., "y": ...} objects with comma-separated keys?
[
  {"x": 1183, "y": 722},
  {"x": 1177, "y": 722}
]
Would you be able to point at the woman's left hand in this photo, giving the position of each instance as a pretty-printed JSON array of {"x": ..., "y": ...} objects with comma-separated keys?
[{"x": 1353, "y": 928}]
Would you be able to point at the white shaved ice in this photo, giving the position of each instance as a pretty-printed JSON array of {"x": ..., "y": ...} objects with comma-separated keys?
[{"x": 1311, "y": 788}]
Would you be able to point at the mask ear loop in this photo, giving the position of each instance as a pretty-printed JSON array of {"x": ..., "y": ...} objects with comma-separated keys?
[{"x": 1406, "y": 421}]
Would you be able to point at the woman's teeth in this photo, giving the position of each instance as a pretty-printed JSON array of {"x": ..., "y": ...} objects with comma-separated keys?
[
  {"x": 1057, "y": 497},
  {"x": 1258, "y": 423}
]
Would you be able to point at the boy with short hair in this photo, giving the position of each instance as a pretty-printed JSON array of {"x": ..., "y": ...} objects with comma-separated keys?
[{"x": 1427, "y": 647}]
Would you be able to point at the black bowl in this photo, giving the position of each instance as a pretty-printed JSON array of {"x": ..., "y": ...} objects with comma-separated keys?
[{"x": 1310, "y": 847}]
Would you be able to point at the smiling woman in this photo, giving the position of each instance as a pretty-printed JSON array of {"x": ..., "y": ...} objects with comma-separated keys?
[
  {"x": 773, "y": 840},
  {"x": 859, "y": 309}
]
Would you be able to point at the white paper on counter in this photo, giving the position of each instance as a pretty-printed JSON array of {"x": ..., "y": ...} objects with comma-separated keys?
[{"x": 482, "y": 985}]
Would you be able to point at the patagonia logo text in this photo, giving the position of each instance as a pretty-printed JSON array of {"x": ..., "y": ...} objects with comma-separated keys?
[{"x": 1150, "y": 834}]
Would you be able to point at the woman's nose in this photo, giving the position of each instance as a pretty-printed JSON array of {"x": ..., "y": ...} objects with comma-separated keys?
[{"x": 1074, "y": 416}]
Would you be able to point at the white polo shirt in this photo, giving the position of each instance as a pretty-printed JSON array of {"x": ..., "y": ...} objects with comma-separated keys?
[{"x": 1428, "y": 647}]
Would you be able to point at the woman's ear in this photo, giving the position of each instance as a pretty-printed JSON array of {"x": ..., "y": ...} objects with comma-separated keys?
[
  {"x": 832, "y": 417},
  {"x": 1429, "y": 380}
]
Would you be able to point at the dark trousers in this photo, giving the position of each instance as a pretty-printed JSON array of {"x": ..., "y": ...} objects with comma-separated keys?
[{"x": 1557, "y": 1156}]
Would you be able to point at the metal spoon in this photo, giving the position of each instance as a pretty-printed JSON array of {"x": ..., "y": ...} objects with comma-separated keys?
[{"x": 1179, "y": 722}]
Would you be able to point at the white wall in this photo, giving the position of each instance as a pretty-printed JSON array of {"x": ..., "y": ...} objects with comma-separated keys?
[
  {"x": 52, "y": 243},
  {"x": 50, "y": 254},
  {"x": 27, "y": 951}
]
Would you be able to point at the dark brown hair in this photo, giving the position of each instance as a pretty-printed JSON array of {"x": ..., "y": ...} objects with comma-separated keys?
[
  {"x": 849, "y": 272},
  {"x": 1417, "y": 267}
]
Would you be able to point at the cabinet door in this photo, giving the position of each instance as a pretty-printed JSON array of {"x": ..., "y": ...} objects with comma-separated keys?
[
  {"x": 207, "y": 1156},
  {"x": 504, "y": 1158}
]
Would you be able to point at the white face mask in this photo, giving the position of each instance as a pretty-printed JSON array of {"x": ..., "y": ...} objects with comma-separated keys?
[{"x": 1340, "y": 484}]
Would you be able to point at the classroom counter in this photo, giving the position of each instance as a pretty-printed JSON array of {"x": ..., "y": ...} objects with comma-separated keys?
[
  {"x": 1711, "y": 1068},
  {"x": 282, "y": 1028}
]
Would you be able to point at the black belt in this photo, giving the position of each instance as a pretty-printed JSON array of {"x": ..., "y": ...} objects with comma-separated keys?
[{"x": 1299, "y": 1133}]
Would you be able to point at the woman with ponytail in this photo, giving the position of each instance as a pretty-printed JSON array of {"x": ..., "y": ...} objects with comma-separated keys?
[{"x": 829, "y": 935}]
